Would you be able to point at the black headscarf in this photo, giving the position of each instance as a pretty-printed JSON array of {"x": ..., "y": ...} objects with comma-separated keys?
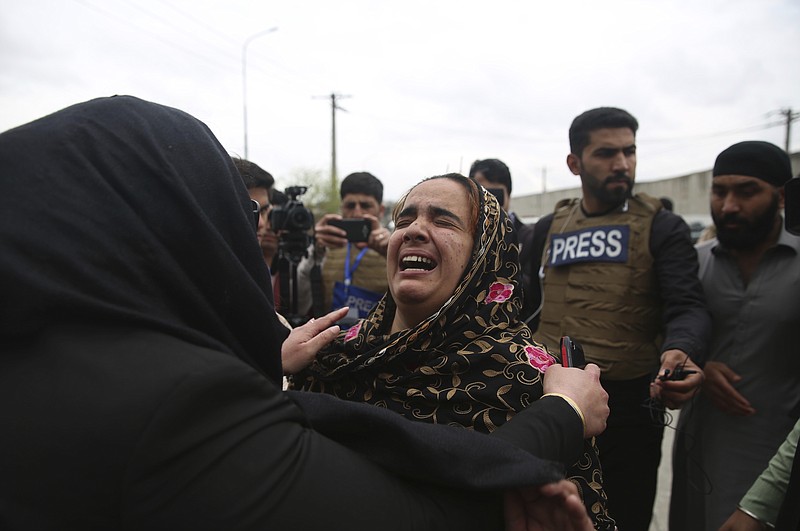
[{"x": 123, "y": 211}]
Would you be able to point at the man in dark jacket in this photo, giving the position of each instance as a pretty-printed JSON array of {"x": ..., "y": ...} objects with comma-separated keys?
[{"x": 619, "y": 274}]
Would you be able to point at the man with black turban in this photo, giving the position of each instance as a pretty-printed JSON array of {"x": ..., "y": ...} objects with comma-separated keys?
[{"x": 751, "y": 397}]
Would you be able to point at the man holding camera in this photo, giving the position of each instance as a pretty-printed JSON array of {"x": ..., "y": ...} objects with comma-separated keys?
[{"x": 353, "y": 253}]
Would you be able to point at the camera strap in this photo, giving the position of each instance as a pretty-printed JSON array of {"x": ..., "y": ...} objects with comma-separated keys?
[{"x": 348, "y": 271}]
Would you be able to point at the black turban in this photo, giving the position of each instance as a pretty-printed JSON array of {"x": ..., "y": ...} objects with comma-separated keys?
[{"x": 754, "y": 158}]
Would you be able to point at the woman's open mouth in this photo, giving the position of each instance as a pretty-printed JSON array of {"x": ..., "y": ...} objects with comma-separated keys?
[{"x": 416, "y": 262}]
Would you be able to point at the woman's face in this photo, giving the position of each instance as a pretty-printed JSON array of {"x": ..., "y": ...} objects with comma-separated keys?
[{"x": 429, "y": 249}]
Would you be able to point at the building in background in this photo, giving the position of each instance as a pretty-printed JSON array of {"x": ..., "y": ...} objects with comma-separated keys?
[{"x": 689, "y": 194}]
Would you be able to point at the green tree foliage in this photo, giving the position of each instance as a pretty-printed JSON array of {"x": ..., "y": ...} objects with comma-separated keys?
[{"x": 320, "y": 198}]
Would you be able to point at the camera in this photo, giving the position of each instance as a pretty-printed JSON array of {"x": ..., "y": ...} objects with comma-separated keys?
[
  {"x": 676, "y": 375},
  {"x": 357, "y": 229},
  {"x": 292, "y": 217},
  {"x": 292, "y": 222}
]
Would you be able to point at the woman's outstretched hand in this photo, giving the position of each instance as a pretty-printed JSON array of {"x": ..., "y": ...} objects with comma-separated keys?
[{"x": 303, "y": 343}]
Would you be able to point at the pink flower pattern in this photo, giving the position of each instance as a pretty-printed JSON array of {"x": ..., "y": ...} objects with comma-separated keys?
[
  {"x": 539, "y": 358},
  {"x": 352, "y": 331},
  {"x": 499, "y": 292}
]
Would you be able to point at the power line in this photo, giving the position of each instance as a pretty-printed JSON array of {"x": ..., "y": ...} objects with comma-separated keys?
[
  {"x": 715, "y": 135},
  {"x": 789, "y": 117},
  {"x": 224, "y": 58},
  {"x": 128, "y": 22},
  {"x": 207, "y": 27},
  {"x": 550, "y": 139},
  {"x": 236, "y": 42}
]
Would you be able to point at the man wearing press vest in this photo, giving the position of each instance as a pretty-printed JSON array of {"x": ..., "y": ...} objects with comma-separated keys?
[{"x": 619, "y": 274}]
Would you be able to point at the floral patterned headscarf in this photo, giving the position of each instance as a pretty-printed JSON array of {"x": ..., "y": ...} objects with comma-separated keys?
[{"x": 472, "y": 363}]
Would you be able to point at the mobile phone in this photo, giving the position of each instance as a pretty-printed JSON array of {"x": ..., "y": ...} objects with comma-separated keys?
[
  {"x": 677, "y": 375},
  {"x": 357, "y": 229},
  {"x": 572, "y": 353},
  {"x": 791, "y": 191}
]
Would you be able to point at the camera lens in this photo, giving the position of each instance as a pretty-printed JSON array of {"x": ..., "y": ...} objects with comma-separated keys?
[
  {"x": 292, "y": 217},
  {"x": 300, "y": 218}
]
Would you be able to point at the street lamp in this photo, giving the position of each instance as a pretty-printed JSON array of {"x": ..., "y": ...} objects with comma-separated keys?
[{"x": 244, "y": 79}]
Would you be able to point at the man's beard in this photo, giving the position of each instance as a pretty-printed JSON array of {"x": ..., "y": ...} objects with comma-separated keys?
[
  {"x": 748, "y": 234},
  {"x": 613, "y": 197}
]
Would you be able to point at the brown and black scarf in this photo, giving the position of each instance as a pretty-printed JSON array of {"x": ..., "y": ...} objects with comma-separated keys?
[{"x": 473, "y": 363}]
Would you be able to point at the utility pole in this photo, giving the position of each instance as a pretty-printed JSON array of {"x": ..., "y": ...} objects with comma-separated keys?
[
  {"x": 790, "y": 117},
  {"x": 334, "y": 107}
]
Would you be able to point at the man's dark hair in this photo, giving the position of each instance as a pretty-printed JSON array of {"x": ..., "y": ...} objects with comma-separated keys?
[
  {"x": 594, "y": 119},
  {"x": 494, "y": 170},
  {"x": 362, "y": 183},
  {"x": 253, "y": 175}
]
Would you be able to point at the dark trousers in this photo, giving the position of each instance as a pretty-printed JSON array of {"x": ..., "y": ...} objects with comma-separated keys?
[{"x": 630, "y": 451}]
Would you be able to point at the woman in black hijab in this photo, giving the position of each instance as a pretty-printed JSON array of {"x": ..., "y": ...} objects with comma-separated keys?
[{"x": 140, "y": 360}]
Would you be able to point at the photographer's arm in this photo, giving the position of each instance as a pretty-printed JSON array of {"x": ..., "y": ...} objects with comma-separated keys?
[
  {"x": 327, "y": 235},
  {"x": 379, "y": 237}
]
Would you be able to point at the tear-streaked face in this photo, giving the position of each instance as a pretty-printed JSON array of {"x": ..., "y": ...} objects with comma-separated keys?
[{"x": 429, "y": 249}]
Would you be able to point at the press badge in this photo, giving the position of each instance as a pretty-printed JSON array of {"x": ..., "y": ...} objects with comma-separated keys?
[
  {"x": 361, "y": 301},
  {"x": 593, "y": 244}
]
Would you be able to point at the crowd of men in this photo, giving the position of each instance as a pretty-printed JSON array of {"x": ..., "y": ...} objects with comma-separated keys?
[{"x": 707, "y": 330}]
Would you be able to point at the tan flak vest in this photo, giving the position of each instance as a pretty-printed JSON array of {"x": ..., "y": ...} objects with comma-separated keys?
[
  {"x": 370, "y": 273},
  {"x": 600, "y": 286}
]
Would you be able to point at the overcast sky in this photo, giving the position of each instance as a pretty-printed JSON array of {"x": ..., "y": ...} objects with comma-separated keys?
[{"x": 427, "y": 86}]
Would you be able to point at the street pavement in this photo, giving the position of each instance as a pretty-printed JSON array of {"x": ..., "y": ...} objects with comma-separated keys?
[{"x": 661, "y": 506}]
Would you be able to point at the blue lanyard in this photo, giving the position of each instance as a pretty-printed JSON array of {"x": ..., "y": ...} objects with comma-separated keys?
[{"x": 348, "y": 271}]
